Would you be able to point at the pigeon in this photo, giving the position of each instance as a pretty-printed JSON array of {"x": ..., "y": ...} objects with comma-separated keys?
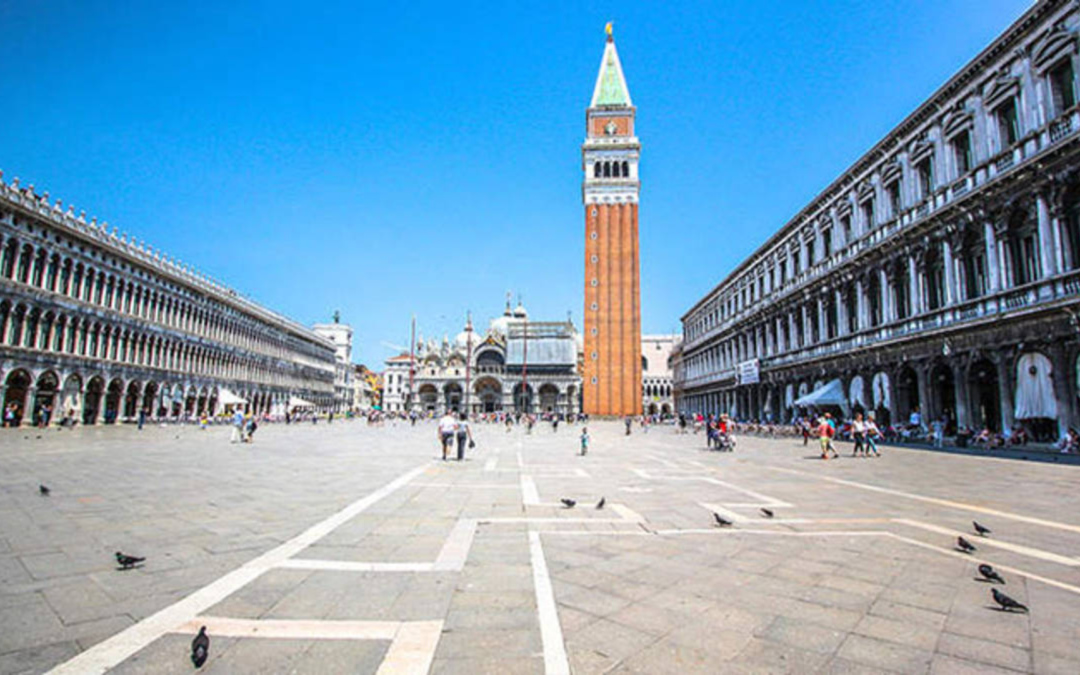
[
  {"x": 721, "y": 521},
  {"x": 600, "y": 504},
  {"x": 568, "y": 503},
  {"x": 767, "y": 513},
  {"x": 127, "y": 561},
  {"x": 981, "y": 530},
  {"x": 200, "y": 648},
  {"x": 965, "y": 545},
  {"x": 990, "y": 574},
  {"x": 1007, "y": 603},
  {"x": 43, "y": 490}
]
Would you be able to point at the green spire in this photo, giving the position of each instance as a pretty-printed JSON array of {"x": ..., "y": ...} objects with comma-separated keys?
[{"x": 610, "y": 84}]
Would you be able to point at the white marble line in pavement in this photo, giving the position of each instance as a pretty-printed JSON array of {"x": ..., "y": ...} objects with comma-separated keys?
[
  {"x": 529, "y": 495},
  {"x": 455, "y": 550},
  {"x": 935, "y": 500},
  {"x": 489, "y": 465},
  {"x": 353, "y": 566},
  {"x": 471, "y": 486},
  {"x": 996, "y": 543},
  {"x": 555, "y": 660},
  {"x": 412, "y": 643},
  {"x": 109, "y": 653}
]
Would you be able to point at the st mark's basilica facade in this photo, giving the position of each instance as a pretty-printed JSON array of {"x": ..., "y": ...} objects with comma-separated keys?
[{"x": 939, "y": 273}]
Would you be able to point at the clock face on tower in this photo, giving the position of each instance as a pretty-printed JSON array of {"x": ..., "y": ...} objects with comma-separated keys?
[{"x": 610, "y": 129}]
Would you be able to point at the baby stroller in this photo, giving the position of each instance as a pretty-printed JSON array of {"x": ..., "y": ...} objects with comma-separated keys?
[{"x": 725, "y": 442}]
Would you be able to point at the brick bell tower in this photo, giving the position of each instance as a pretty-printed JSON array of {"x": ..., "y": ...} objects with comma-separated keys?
[{"x": 612, "y": 383}]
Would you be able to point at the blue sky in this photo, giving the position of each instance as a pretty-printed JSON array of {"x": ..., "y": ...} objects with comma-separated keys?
[{"x": 387, "y": 159}]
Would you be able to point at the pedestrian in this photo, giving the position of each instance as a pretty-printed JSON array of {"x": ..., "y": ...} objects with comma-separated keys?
[
  {"x": 238, "y": 426},
  {"x": 628, "y": 421},
  {"x": 446, "y": 429},
  {"x": 9, "y": 415},
  {"x": 939, "y": 432},
  {"x": 555, "y": 423},
  {"x": 825, "y": 434},
  {"x": 249, "y": 428},
  {"x": 330, "y": 418},
  {"x": 584, "y": 441},
  {"x": 858, "y": 433},
  {"x": 805, "y": 424},
  {"x": 872, "y": 434},
  {"x": 142, "y": 418},
  {"x": 464, "y": 433}
]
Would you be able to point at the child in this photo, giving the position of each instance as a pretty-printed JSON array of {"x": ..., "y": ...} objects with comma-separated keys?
[{"x": 584, "y": 441}]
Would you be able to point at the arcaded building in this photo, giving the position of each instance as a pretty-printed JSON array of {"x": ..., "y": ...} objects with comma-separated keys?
[
  {"x": 940, "y": 272},
  {"x": 96, "y": 327},
  {"x": 612, "y": 366}
]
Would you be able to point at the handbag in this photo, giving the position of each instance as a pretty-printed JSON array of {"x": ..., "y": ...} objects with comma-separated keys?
[{"x": 472, "y": 444}]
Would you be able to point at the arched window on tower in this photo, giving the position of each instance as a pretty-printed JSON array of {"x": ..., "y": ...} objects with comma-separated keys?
[
  {"x": 626, "y": 169},
  {"x": 596, "y": 170},
  {"x": 607, "y": 169}
]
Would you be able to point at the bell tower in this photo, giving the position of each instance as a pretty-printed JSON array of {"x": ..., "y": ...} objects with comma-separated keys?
[{"x": 612, "y": 373}]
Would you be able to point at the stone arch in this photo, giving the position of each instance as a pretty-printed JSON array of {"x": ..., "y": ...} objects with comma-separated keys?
[
  {"x": 93, "y": 399},
  {"x": 17, "y": 385},
  {"x": 984, "y": 394},
  {"x": 45, "y": 400},
  {"x": 548, "y": 394}
]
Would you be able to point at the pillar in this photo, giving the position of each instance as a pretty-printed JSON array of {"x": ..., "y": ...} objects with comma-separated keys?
[
  {"x": 993, "y": 267},
  {"x": 914, "y": 291},
  {"x": 951, "y": 292},
  {"x": 841, "y": 312},
  {"x": 1065, "y": 403},
  {"x": 1005, "y": 391},
  {"x": 861, "y": 306},
  {"x": 922, "y": 379},
  {"x": 29, "y": 401},
  {"x": 960, "y": 393},
  {"x": 1048, "y": 246},
  {"x": 886, "y": 303}
]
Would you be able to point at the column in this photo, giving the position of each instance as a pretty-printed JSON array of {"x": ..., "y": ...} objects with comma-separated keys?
[
  {"x": 841, "y": 312},
  {"x": 807, "y": 337},
  {"x": 960, "y": 393},
  {"x": 914, "y": 296},
  {"x": 993, "y": 268},
  {"x": 1005, "y": 391},
  {"x": 823, "y": 331},
  {"x": 1065, "y": 403},
  {"x": 861, "y": 317},
  {"x": 951, "y": 292},
  {"x": 778, "y": 331},
  {"x": 793, "y": 338},
  {"x": 1048, "y": 247},
  {"x": 29, "y": 401},
  {"x": 922, "y": 379},
  {"x": 886, "y": 303}
]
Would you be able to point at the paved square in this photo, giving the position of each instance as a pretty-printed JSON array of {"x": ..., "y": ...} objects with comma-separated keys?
[{"x": 348, "y": 548}]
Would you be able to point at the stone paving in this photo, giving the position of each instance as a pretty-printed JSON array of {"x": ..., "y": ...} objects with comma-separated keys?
[{"x": 346, "y": 548}]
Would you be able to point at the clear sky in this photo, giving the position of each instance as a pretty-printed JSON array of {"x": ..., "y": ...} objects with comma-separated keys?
[{"x": 388, "y": 158}]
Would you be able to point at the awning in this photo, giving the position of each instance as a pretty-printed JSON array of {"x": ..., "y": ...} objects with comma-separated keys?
[
  {"x": 1035, "y": 388},
  {"x": 880, "y": 387},
  {"x": 297, "y": 402},
  {"x": 830, "y": 393},
  {"x": 226, "y": 397},
  {"x": 857, "y": 392}
]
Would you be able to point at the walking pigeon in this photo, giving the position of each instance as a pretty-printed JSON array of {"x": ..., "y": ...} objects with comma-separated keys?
[
  {"x": 767, "y": 513},
  {"x": 721, "y": 521},
  {"x": 43, "y": 490},
  {"x": 600, "y": 504},
  {"x": 965, "y": 545},
  {"x": 990, "y": 574},
  {"x": 981, "y": 530},
  {"x": 127, "y": 561},
  {"x": 568, "y": 503},
  {"x": 1007, "y": 603},
  {"x": 200, "y": 648}
]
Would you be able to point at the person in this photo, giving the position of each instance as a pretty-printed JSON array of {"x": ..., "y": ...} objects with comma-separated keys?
[
  {"x": 46, "y": 415},
  {"x": 249, "y": 428},
  {"x": 464, "y": 433},
  {"x": 628, "y": 422},
  {"x": 872, "y": 433},
  {"x": 584, "y": 441},
  {"x": 682, "y": 423},
  {"x": 938, "y": 426},
  {"x": 554, "y": 423},
  {"x": 204, "y": 422},
  {"x": 9, "y": 415},
  {"x": 142, "y": 418},
  {"x": 805, "y": 424},
  {"x": 915, "y": 420},
  {"x": 238, "y": 426},
  {"x": 509, "y": 423},
  {"x": 446, "y": 429},
  {"x": 825, "y": 434},
  {"x": 330, "y": 419},
  {"x": 858, "y": 434}
]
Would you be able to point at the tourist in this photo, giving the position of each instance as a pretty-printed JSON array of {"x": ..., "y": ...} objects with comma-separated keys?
[
  {"x": 249, "y": 428},
  {"x": 871, "y": 434},
  {"x": 858, "y": 434},
  {"x": 629, "y": 421},
  {"x": 938, "y": 427},
  {"x": 446, "y": 429},
  {"x": 9, "y": 415},
  {"x": 142, "y": 418},
  {"x": 464, "y": 433},
  {"x": 238, "y": 426},
  {"x": 825, "y": 433},
  {"x": 584, "y": 441}
]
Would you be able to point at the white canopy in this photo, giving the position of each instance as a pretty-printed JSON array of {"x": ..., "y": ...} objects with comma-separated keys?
[
  {"x": 226, "y": 397},
  {"x": 789, "y": 396},
  {"x": 880, "y": 386},
  {"x": 297, "y": 402},
  {"x": 830, "y": 393},
  {"x": 1035, "y": 388},
  {"x": 857, "y": 389}
]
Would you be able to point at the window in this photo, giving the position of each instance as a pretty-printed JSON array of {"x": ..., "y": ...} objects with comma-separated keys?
[
  {"x": 1062, "y": 87},
  {"x": 783, "y": 271},
  {"x": 810, "y": 252},
  {"x": 845, "y": 227},
  {"x": 925, "y": 169},
  {"x": 961, "y": 148},
  {"x": 868, "y": 213},
  {"x": 1023, "y": 250},
  {"x": 826, "y": 243},
  {"x": 893, "y": 193},
  {"x": 596, "y": 171},
  {"x": 1008, "y": 125}
]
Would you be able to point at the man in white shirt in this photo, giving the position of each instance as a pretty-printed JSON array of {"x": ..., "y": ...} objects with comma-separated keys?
[{"x": 446, "y": 430}]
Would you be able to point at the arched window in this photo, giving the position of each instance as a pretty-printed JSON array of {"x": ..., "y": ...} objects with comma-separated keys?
[
  {"x": 607, "y": 169},
  {"x": 644, "y": 363},
  {"x": 596, "y": 170},
  {"x": 626, "y": 169}
]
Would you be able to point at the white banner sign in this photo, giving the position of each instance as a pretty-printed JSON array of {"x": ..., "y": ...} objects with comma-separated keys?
[{"x": 750, "y": 372}]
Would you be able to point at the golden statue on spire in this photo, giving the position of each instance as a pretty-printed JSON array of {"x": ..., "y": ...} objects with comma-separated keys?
[{"x": 608, "y": 30}]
